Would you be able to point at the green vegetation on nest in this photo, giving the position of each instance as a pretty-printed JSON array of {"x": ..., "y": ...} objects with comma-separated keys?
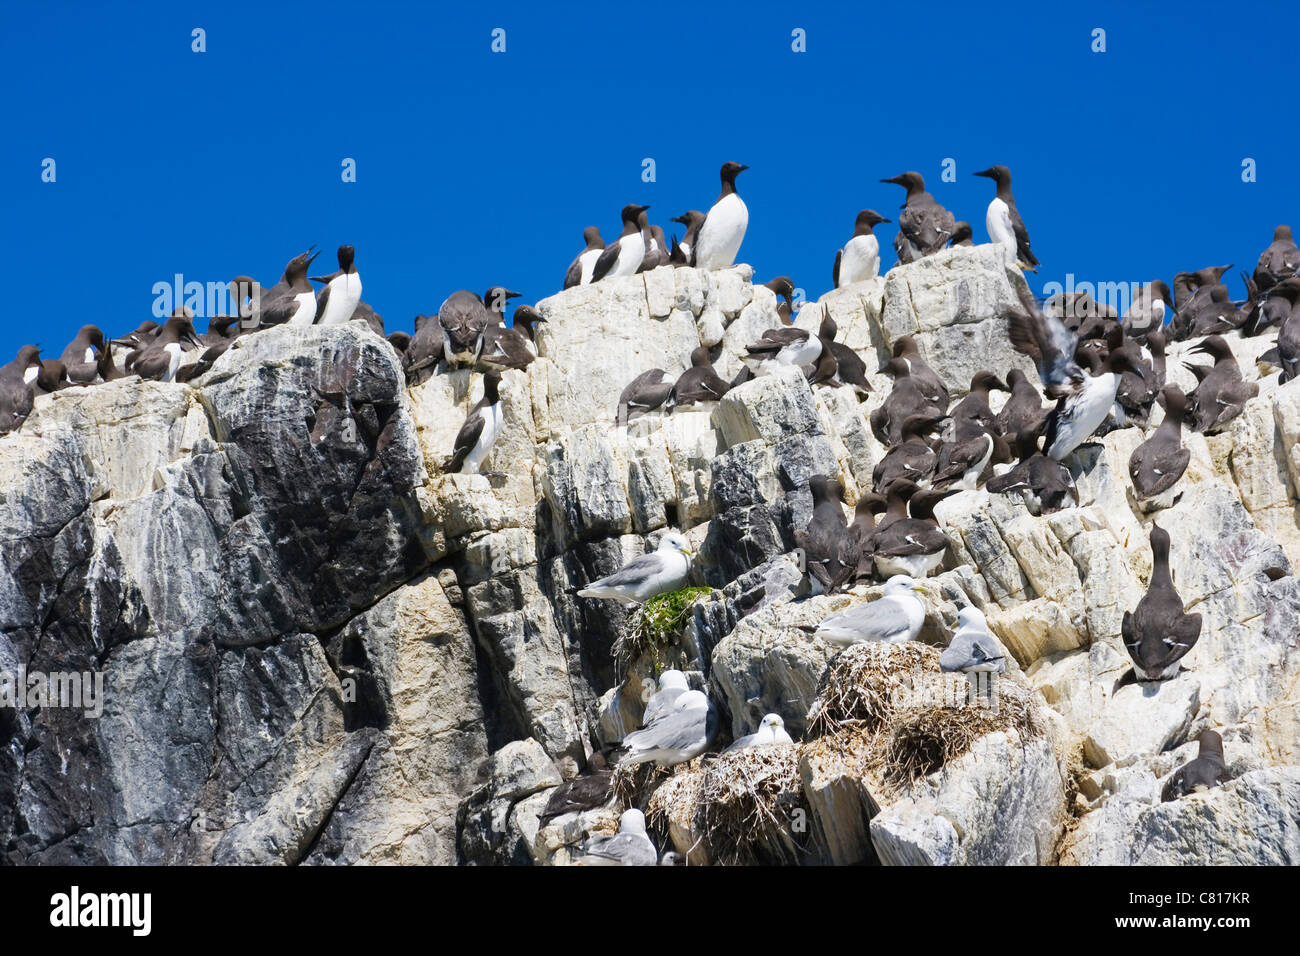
[{"x": 659, "y": 622}]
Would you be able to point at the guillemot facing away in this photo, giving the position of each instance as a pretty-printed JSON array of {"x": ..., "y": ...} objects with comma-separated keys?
[
  {"x": 80, "y": 359},
  {"x": 724, "y": 225},
  {"x": 1158, "y": 634},
  {"x": 906, "y": 398},
  {"x": 859, "y": 260},
  {"x": 1207, "y": 771},
  {"x": 584, "y": 264},
  {"x": 481, "y": 428},
  {"x": 1147, "y": 312},
  {"x": 1279, "y": 261},
  {"x": 1003, "y": 221},
  {"x": 699, "y": 383},
  {"x": 342, "y": 292},
  {"x": 830, "y": 556},
  {"x": 464, "y": 320},
  {"x": 924, "y": 226},
  {"x": 424, "y": 351},
  {"x": 1156, "y": 465},
  {"x": 623, "y": 256}
]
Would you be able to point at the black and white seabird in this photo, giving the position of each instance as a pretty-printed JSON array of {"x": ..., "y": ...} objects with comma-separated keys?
[
  {"x": 496, "y": 300},
  {"x": 1156, "y": 465},
  {"x": 81, "y": 358},
  {"x": 1146, "y": 313},
  {"x": 723, "y": 230},
  {"x": 623, "y": 256},
  {"x": 401, "y": 341},
  {"x": 342, "y": 292},
  {"x": 464, "y": 320},
  {"x": 973, "y": 416},
  {"x": 1288, "y": 336},
  {"x": 1274, "y": 307},
  {"x": 584, "y": 264},
  {"x": 906, "y": 399},
  {"x": 830, "y": 556},
  {"x": 1279, "y": 261},
  {"x": 912, "y": 459},
  {"x": 1024, "y": 410},
  {"x": 1044, "y": 483},
  {"x": 962, "y": 234},
  {"x": 1158, "y": 634},
  {"x": 699, "y": 383},
  {"x": 482, "y": 426},
  {"x": 525, "y": 318},
  {"x": 680, "y": 253},
  {"x": 1207, "y": 771},
  {"x": 913, "y": 546},
  {"x": 1199, "y": 288},
  {"x": 665, "y": 569},
  {"x": 863, "y": 529},
  {"x": 506, "y": 348},
  {"x": 161, "y": 359},
  {"x": 932, "y": 385},
  {"x": 783, "y": 287},
  {"x": 52, "y": 377},
  {"x": 785, "y": 346},
  {"x": 859, "y": 260},
  {"x": 16, "y": 394},
  {"x": 141, "y": 336},
  {"x": 1003, "y": 221},
  {"x": 1083, "y": 401},
  {"x": 656, "y": 253},
  {"x": 291, "y": 300},
  {"x": 961, "y": 463},
  {"x": 644, "y": 394},
  {"x": 924, "y": 227},
  {"x": 587, "y": 792},
  {"x": 424, "y": 351},
  {"x": 1222, "y": 393}
]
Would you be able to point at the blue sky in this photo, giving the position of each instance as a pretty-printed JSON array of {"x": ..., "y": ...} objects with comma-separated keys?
[{"x": 476, "y": 168}]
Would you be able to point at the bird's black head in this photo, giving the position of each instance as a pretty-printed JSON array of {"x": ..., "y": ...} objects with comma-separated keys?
[
  {"x": 1213, "y": 345},
  {"x": 911, "y": 181},
  {"x": 730, "y": 171},
  {"x": 347, "y": 255},
  {"x": 868, "y": 218},
  {"x": 591, "y": 236},
  {"x": 92, "y": 335},
  {"x": 632, "y": 213},
  {"x": 828, "y": 328},
  {"x": 491, "y": 381},
  {"x": 904, "y": 345},
  {"x": 1282, "y": 233},
  {"x": 29, "y": 356},
  {"x": 987, "y": 381},
  {"x": 497, "y": 297},
  {"x": 782, "y": 286},
  {"x": 961, "y": 231},
  {"x": 700, "y": 358},
  {"x": 999, "y": 174},
  {"x": 298, "y": 265}
]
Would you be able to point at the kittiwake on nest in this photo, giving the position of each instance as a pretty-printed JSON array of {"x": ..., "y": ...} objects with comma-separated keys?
[
  {"x": 672, "y": 684},
  {"x": 895, "y": 617},
  {"x": 629, "y": 847},
  {"x": 675, "y": 737},
  {"x": 973, "y": 648},
  {"x": 644, "y": 577},
  {"x": 771, "y": 730}
]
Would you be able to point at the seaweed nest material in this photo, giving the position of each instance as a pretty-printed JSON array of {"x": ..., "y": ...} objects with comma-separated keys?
[{"x": 659, "y": 622}]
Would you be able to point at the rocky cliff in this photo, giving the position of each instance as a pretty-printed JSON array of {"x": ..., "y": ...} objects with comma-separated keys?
[{"x": 317, "y": 648}]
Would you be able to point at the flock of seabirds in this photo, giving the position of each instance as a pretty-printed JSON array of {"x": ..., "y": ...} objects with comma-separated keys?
[{"x": 1098, "y": 371}]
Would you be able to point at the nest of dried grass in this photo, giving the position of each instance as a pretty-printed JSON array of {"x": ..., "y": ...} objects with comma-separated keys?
[
  {"x": 658, "y": 625},
  {"x": 897, "y": 717},
  {"x": 752, "y": 809},
  {"x": 863, "y": 685},
  {"x": 923, "y": 738},
  {"x": 632, "y": 784}
]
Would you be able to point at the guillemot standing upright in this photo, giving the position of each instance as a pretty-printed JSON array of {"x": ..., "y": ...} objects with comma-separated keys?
[
  {"x": 924, "y": 226},
  {"x": 291, "y": 300},
  {"x": 584, "y": 263},
  {"x": 1003, "y": 221},
  {"x": 342, "y": 292},
  {"x": 1279, "y": 261},
  {"x": 680, "y": 254},
  {"x": 723, "y": 229},
  {"x": 481, "y": 428},
  {"x": 1157, "y": 633},
  {"x": 859, "y": 260},
  {"x": 16, "y": 395},
  {"x": 623, "y": 256},
  {"x": 162, "y": 358}
]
